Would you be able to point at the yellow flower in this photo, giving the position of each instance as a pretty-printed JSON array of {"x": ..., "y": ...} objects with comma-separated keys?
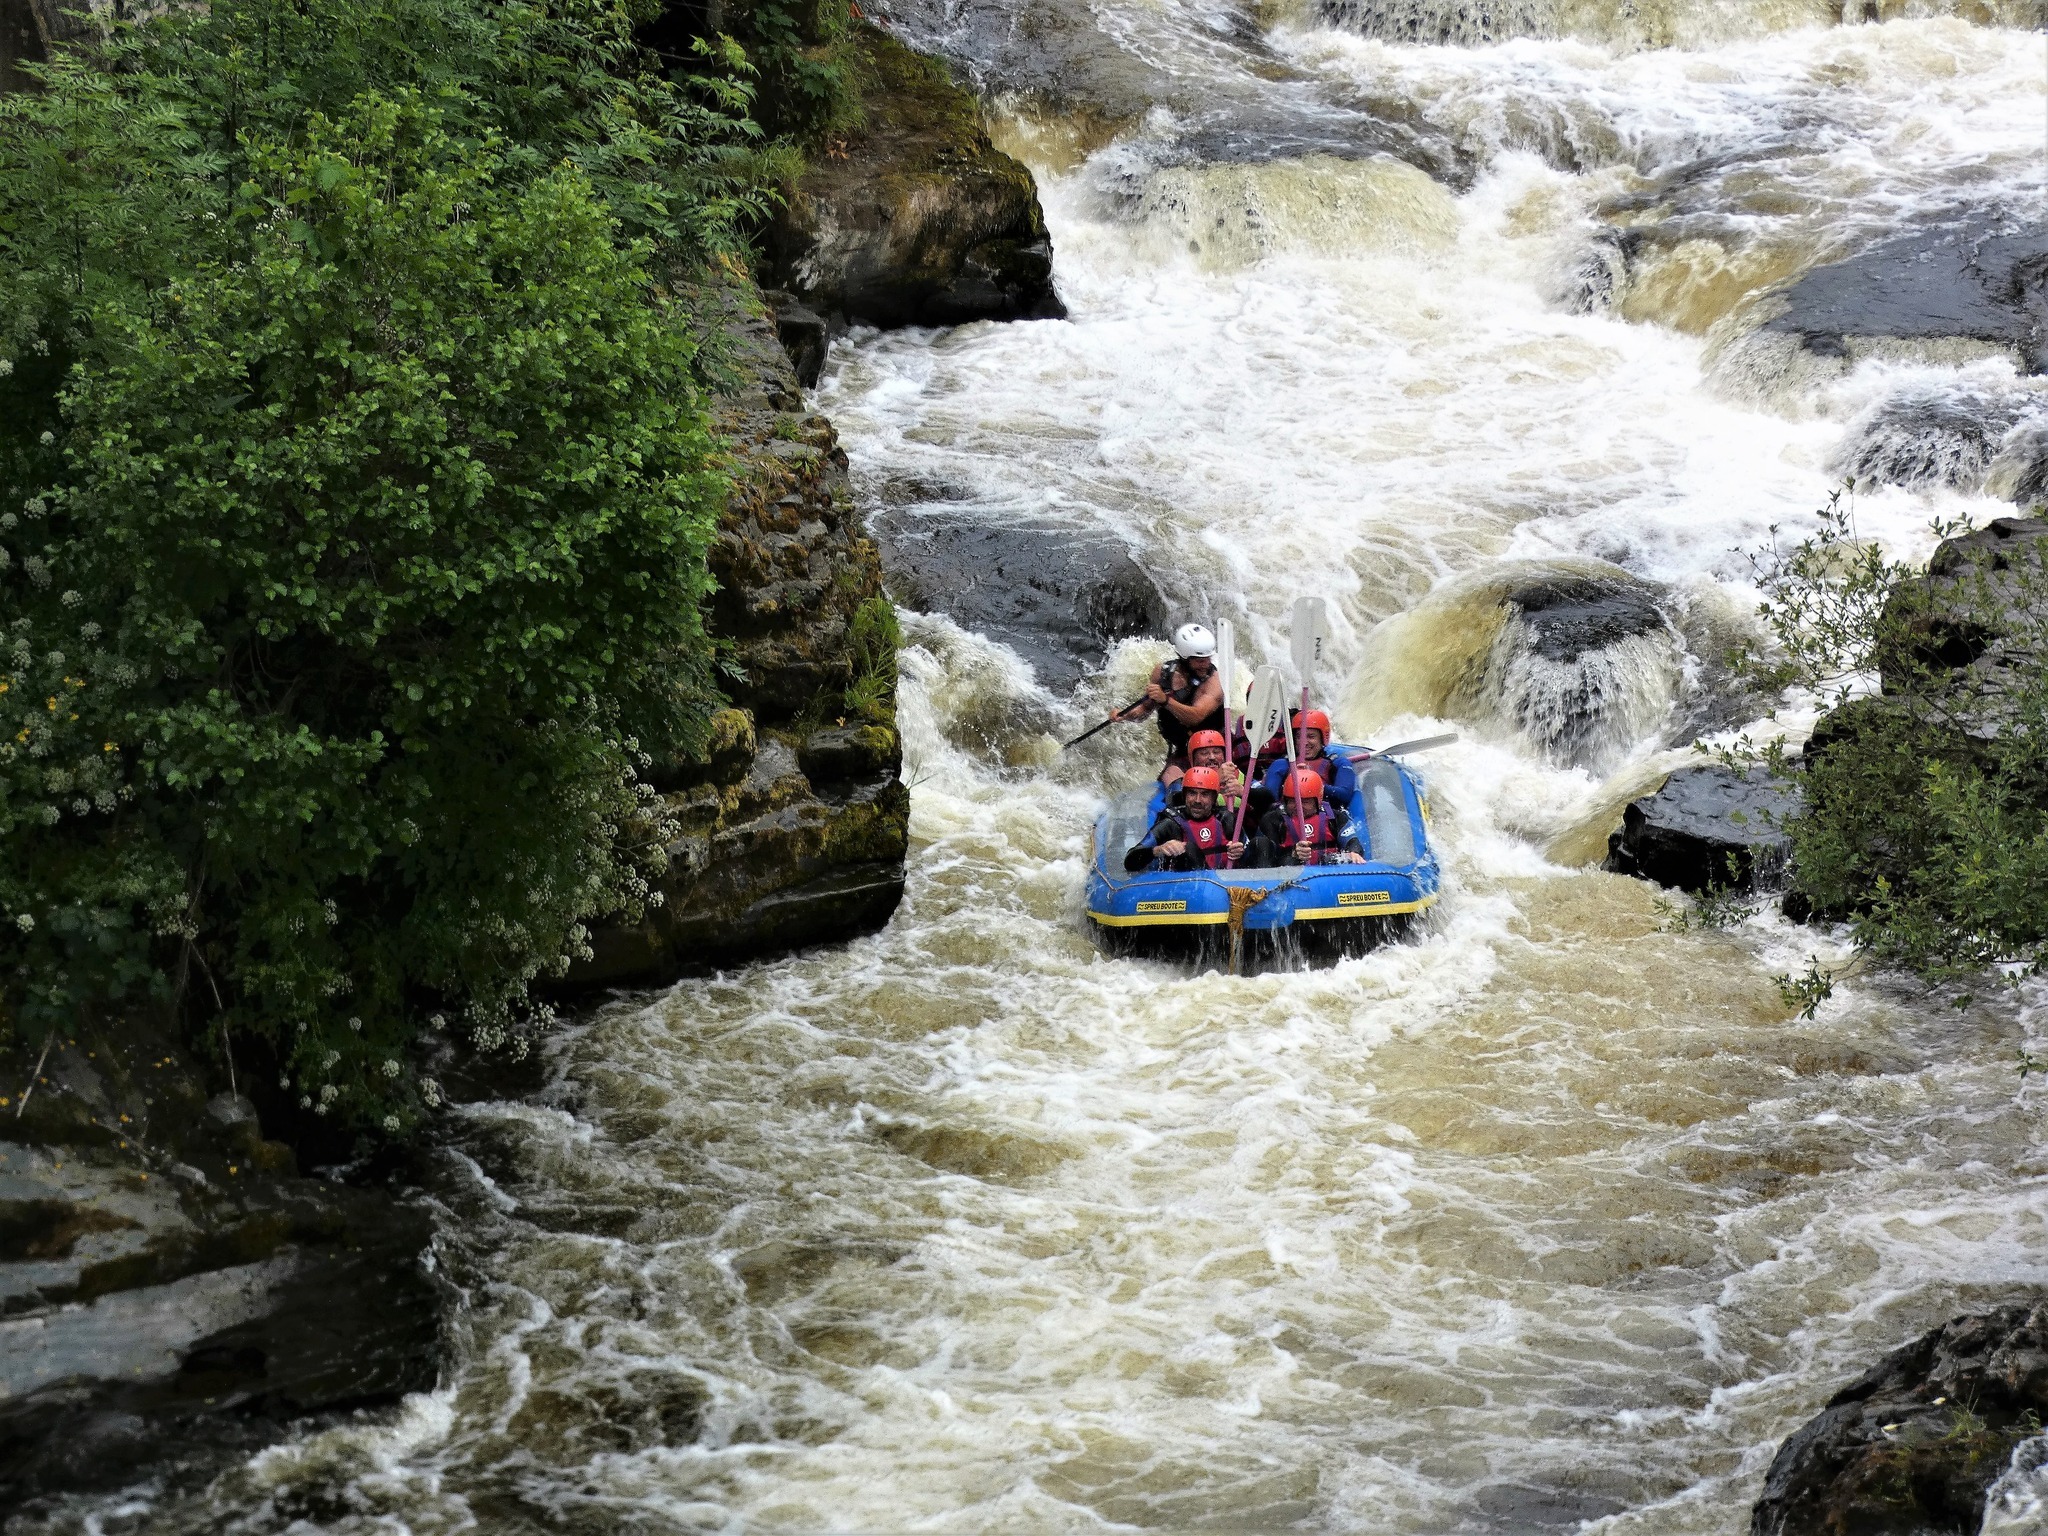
[{"x": 108, "y": 747}]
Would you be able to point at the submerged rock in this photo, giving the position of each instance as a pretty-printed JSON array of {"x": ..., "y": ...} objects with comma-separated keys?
[
  {"x": 1942, "y": 433},
  {"x": 1944, "y": 293},
  {"x": 794, "y": 823},
  {"x": 1056, "y": 595},
  {"x": 1707, "y": 828},
  {"x": 170, "y": 1287},
  {"x": 1915, "y": 1444},
  {"x": 915, "y": 218}
]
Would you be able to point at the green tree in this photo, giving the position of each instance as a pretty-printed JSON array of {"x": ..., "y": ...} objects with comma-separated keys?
[
  {"x": 1926, "y": 784},
  {"x": 355, "y": 489}
]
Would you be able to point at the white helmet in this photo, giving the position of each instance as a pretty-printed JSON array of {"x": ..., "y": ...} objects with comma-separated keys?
[{"x": 1193, "y": 640}]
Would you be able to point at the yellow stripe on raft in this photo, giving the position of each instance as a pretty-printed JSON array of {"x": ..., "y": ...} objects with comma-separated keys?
[
  {"x": 1158, "y": 920},
  {"x": 1379, "y": 909}
]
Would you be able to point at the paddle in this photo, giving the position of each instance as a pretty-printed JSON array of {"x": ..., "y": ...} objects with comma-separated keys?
[
  {"x": 1420, "y": 744},
  {"x": 1265, "y": 716},
  {"x": 1308, "y": 634},
  {"x": 1226, "y": 675},
  {"x": 1114, "y": 719}
]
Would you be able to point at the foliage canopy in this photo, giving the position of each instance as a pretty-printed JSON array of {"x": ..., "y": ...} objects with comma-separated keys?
[
  {"x": 355, "y": 488},
  {"x": 1926, "y": 814}
]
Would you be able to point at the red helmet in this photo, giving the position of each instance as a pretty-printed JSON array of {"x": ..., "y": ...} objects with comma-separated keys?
[
  {"x": 1304, "y": 782},
  {"x": 1203, "y": 739},
  {"x": 1205, "y": 778},
  {"x": 1314, "y": 720}
]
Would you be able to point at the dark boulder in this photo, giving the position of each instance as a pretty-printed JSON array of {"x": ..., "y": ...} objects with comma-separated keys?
[
  {"x": 1971, "y": 627},
  {"x": 1707, "y": 828},
  {"x": 1057, "y": 595},
  {"x": 1940, "y": 432},
  {"x": 1913, "y": 1445},
  {"x": 915, "y": 218},
  {"x": 1977, "y": 282},
  {"x": 1567, "y": 616},
  {"x": 804, "y": 333}
]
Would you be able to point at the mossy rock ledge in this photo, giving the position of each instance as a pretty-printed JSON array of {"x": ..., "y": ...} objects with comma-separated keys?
[
  {"x": 796, "y": 820},
  {"x": 913, "y": 218}
]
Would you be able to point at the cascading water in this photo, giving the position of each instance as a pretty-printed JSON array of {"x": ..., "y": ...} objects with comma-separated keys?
[{"x": 1553, "y": 1218}]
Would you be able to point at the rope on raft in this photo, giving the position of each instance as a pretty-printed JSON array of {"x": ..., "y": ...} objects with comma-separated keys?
[{"x": 1242, "y": 899}]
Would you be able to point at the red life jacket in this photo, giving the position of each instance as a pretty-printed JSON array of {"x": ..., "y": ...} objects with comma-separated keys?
[
  {"x": 1316, "y": 830},
  {"x": 1207, "y": 839}
]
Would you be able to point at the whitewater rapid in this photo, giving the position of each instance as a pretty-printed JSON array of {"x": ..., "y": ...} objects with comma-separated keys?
[{"x": 1554, "y": 1218}]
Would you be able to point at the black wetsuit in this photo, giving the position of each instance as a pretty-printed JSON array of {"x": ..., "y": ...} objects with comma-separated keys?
[
  {"x": 1206, "y": 842},
  {"x": 1181, "y": 686}
]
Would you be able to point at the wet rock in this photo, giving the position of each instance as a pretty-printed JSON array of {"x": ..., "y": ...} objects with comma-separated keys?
[
  {"x": 1975, "y": 616},
  {"x": 1914, "y": 1445},
  {"x": 1979, "y": 286},
  {"x": 1938, "y": 433},
  {"x": 915, "y": 218},
  {"x": 1583, "y": 666},
  {"x": 1707, "y": 828},
  {"x": 169, "y": 1285},
  {"x": 1055, "y": 594},
  {"x": 794, "y": 820},
  {"x": 804, "y": 335},
  {"x": 1567, "y": 616},
  {"x": 2020, "y": 471}
]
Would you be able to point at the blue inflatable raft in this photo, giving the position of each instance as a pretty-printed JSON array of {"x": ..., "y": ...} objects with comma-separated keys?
[{"x": 1345, "y": 907}]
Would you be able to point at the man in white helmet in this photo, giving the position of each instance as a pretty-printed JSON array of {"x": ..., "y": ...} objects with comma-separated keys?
[{"x": 1185, "y": 694}]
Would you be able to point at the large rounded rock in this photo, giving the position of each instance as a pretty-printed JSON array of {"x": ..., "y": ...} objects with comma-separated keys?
[
  {"x": 1942, "y": 292},
  {"x": 1913, "y": 1445}
]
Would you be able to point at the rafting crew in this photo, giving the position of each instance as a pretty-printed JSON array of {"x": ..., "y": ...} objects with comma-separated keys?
[
  {"x": 1306, "y": 825},
  {"x": 1184, "y": 694},
  {"x": 1191, "y": 836}
]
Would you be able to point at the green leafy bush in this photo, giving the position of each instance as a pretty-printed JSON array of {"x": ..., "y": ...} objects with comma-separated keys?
[
  {"x": 1926, "y": 802},
  {"x": 355, "y": 488}
]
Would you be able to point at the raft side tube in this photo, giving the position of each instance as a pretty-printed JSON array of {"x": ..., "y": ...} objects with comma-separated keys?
[{"x": 1398, "y": 879}]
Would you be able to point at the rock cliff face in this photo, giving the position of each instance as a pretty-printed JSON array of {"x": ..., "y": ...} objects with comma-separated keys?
[
  {"x": 914, "y": 218},
  {"x": 795, "y": 825}
]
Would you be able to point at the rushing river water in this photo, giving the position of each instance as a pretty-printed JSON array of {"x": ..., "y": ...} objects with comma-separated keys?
[{"x": 1553, "y": 1215}]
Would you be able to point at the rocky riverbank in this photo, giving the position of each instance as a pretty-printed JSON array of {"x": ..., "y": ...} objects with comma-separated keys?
[
  {"x": 172, "y": 1287},
  {"x": 1915, "y": 1444},
  {"x": 794, "y": 825}
]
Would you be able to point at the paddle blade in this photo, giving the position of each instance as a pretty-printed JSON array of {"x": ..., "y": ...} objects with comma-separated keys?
[
  {"x": 1309, "y": 637},
  {"x": 1265, "y": 712},
  {"x": 1420, "y": 744},
  {"x": 1226, "y": 661}
]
